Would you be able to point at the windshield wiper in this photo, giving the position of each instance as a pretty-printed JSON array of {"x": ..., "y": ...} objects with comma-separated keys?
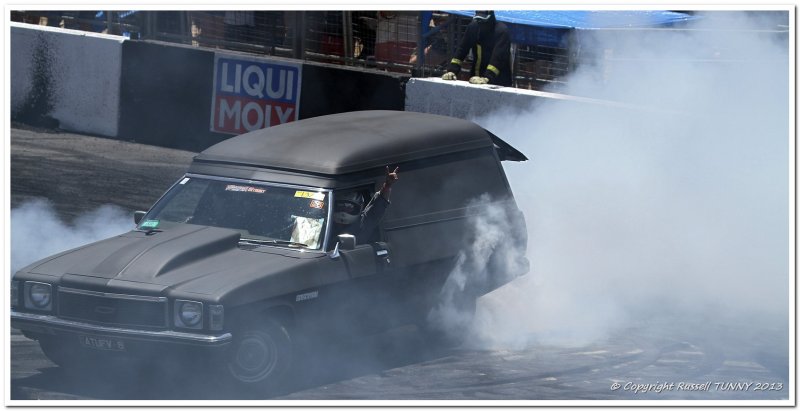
[{"x": 272, "y": 242}]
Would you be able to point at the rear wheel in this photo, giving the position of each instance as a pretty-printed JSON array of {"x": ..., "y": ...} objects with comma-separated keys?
[
  {"x": 260, "y": 354},
  {"x": 447, "y": 315}
]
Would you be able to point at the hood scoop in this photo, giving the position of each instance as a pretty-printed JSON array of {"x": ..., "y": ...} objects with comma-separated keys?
[{"x": 149, "y": 255}]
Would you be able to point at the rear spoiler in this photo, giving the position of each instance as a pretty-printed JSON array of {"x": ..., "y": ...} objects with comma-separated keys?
[{"x": 505, "y": 151}]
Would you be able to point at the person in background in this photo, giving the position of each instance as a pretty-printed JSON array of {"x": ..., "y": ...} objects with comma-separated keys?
[
  {"x": 436, "y": 42},
  {"x": 490, "y": 43},
  {"x": 365, "y": 24}
]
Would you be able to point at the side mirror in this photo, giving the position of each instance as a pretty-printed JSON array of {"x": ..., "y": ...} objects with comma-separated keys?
[
  {"x": 137, "y": 216},
  {"x": 347, "y": 241}
]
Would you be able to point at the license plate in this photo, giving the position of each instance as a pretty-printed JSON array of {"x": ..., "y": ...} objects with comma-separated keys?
[{"x": 102, "y": 343}]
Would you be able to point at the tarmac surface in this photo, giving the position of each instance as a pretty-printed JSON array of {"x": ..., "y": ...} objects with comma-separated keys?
[{"x": 668, "y": 358}]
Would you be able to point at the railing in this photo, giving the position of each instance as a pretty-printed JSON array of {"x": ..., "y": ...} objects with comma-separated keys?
[{"x": 379, "y": 40}]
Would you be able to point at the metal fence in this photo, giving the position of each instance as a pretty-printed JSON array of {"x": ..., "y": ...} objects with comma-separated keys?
[{"x": 379, "y": 40}]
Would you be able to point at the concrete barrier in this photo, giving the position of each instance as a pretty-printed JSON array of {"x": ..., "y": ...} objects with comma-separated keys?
[
  {"x": 65, "y": 76},
  {"x": 171, "y": 94},
  {"x": 164, "y": 94},
  {"x": 160, "y": 93},
  {"x": 468, "y": 101},
  {"x": 329, "y": 89}
]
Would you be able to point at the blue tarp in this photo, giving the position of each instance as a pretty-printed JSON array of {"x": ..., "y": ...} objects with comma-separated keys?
[{"x": 585, "y": 19}]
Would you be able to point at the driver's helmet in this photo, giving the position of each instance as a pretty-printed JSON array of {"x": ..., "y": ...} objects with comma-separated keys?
[{"x": 347, "y": 208}]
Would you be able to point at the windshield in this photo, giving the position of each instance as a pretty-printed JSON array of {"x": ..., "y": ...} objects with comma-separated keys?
[{"x": 263, "y": 213}]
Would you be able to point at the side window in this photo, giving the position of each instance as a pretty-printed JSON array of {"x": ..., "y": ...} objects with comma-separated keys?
[{"x": 347, "y": 207}]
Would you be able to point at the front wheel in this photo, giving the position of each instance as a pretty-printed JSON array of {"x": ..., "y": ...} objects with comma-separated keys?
[{"x": 260, "y": 355}]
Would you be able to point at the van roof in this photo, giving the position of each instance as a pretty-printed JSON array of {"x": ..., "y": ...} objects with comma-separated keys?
[{"x": 349, "y": 142}]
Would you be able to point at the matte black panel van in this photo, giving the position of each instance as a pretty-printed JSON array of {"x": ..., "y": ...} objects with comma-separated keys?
[{"x": 240, "y": 258}]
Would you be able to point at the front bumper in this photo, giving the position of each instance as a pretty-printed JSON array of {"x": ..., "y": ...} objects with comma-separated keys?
[{"x": 48, "y": 324}]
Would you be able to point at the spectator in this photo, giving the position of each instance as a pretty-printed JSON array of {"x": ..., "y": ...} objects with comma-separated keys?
[
  {"x": 490, "y": 44},
  {"x": 436, "y": 40},
  {"x": 365, "y": 24}
]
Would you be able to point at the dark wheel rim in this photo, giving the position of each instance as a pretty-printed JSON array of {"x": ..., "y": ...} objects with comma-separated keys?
[{"x": 254, "y": 358}]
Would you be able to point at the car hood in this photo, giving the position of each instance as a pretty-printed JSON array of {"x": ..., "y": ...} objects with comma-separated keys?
[{"x": 186, "y": 259}]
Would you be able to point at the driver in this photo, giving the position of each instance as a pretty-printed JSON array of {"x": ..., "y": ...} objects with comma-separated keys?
[{"x": 351, "y": 217}]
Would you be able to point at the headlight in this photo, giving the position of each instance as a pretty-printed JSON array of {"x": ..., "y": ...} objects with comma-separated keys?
[
  {"x": 188, "y": 314},
  {"x": 38, "y": 296},
  {"x": 14, "y": 293}
]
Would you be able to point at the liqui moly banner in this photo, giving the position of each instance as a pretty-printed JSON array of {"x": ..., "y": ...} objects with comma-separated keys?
[{"x": 250, "y": 93}]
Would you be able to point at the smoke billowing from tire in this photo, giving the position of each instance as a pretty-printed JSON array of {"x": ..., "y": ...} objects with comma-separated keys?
[
  {"x": 38, "y": 232},
  {"x": 677, "y": 209}
]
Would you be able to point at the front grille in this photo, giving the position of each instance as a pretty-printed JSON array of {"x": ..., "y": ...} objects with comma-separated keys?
[{"x": 113, "y": 309}]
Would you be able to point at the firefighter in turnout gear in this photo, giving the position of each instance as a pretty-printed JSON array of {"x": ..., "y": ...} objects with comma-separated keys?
[{"x": 491, "y": 51}]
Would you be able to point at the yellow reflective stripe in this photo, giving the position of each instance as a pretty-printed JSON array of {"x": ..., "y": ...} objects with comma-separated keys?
[
  {"x": 456, "y": 61},
  {"x": 478, "y": 60},
  {"x": 493, "y": 69}
]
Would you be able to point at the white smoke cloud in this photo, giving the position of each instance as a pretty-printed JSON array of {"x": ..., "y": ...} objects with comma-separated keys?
[
  {"x": 681, "y": 208},
  {"x": 37, "y": 231},
  {"x": 492, "y": 257}
]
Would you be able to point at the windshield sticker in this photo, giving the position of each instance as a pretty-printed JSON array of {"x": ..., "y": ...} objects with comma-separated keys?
[
  {"x": 317, "y": 204},
  {"x": 150, "y": 224},
  {"x": 184, "y": 181},
  {"x": 245, "y": 189},
  {"x": 310, "y": 194}
]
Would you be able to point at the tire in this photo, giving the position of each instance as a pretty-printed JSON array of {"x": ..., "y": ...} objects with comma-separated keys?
[{"x": 260, "y": 355}]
